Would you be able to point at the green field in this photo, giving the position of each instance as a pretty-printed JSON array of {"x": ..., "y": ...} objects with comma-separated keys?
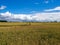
[{"x": 15, "y": 33}]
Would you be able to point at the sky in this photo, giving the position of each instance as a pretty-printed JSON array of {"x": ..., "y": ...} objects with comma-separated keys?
[{"x": 30, "y": 10}]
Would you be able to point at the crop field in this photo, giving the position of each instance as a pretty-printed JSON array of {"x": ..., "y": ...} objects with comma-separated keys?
[{"x": 21, "y": 33}]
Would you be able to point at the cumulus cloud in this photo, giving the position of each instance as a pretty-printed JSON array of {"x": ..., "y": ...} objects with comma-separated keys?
[
  {"x": 14, "y": 17},
  {"x": 54, "y": 9},
  {"x": 39, "y": 17},
  {"x": 2, "y": 7}
]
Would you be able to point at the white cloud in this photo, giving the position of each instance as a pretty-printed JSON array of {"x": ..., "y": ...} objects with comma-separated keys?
[
  {"x": 57, "y": 8},
  {"x": 6, "y": 14},
  {"x": 46, "y": 1},
  {"x": 2, "y": 7},
  {"x": 40, "y": 17},
  {"x": 33, "y": 11}
]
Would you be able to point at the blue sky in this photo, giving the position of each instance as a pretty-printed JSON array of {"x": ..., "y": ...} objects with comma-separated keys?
[
  {"x": 30, "y": 10},
  {"x": 28, "y": 6}
]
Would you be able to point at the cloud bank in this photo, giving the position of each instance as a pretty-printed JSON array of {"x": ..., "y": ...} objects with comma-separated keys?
[{"x": 36, "y": 17}]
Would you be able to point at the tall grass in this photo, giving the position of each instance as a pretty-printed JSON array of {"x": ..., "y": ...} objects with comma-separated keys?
[{"x": 34, "y": 34}]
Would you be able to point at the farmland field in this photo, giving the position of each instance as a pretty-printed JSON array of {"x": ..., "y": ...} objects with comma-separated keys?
[{"x": 20, "y": 33}]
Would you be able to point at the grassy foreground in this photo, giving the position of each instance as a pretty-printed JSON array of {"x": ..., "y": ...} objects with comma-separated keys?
[{"x": 25, "y": 34}]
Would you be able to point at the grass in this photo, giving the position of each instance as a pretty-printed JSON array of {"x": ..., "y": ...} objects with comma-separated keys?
[{"x": 24, "y": 34}]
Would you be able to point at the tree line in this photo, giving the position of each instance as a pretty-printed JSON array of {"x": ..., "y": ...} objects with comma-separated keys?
[{"x": 3, "y": 21}]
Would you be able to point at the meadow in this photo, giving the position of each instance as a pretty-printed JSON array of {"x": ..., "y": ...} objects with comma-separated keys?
[{"x": 21, "y": 33}]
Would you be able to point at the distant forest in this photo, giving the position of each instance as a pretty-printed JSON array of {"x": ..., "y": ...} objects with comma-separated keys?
[
  {"x": 23, "y": 21},
  {"x": 3, "y": 21}
]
